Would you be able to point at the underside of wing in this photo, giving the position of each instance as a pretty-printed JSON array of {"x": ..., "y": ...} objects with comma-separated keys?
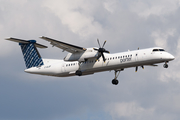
[{"x": 64, "y": 46}]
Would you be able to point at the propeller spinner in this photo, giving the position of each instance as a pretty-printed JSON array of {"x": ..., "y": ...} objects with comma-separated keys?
[{"x": 101, "y": 50}]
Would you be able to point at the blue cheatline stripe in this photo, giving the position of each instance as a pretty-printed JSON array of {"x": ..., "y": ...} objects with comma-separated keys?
[{"x": 31, "y": 55}]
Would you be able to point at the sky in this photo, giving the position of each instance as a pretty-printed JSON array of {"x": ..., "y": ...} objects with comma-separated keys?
[{"x": 152, "y": 93}]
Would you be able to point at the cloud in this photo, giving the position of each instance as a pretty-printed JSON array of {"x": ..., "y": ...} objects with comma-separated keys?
[
  {"x": 110, "y": 5},
  {"x": 75, "y": 14},
  {"x": 130, "y": 110},
  {"x": 160, "y": 38},
  {"x": 157, "y": 8}
]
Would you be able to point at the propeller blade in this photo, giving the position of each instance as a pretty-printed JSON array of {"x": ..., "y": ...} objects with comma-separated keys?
[
  {"x": 98, "y": 57},
  {"x": 104, "y": 59},
  {"x": 98, "y": 43},
  {"x": 104, "y": 43},
  {"x": 106, "y": 51},
  {"x": 142, "y": 67},
  {"x": 95, "y": 49},
  {"x": 136, "y": 68}
]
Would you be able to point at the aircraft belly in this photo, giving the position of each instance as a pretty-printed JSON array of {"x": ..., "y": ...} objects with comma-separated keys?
[{"x": 113, "y": 66}]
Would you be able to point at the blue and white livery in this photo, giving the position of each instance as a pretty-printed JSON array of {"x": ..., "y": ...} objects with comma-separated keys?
[{"x": 85, "y": 61}]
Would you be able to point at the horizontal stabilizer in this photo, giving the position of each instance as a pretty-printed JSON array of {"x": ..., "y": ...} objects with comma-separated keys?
[
  {"x": 31, "y": 55},
  {"x": 25, "y": 42}
]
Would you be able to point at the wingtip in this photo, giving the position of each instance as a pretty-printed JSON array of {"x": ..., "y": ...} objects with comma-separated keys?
[
  {"x": 7, "y": 38},
  {"x": 40, "y": 36}
]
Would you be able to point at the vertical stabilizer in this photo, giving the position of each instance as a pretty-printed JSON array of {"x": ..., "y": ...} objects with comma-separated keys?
[{"x": 31, "y": 55}]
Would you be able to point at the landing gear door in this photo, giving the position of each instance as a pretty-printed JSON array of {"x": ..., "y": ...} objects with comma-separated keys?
[{"x": 63, "y": 69}]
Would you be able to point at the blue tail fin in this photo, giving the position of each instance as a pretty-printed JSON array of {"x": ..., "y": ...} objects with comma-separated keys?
[{"x": 31, "y": 55}]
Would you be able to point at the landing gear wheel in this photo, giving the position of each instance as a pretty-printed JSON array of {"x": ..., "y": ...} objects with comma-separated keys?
[
  {"x": 165, "y": 65},
  {"x": 115, "y": 82},
  {"x": 78, "y": 72}
]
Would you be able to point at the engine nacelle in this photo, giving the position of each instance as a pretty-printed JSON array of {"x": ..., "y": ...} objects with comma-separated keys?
[{"x": 82, "y": 56}]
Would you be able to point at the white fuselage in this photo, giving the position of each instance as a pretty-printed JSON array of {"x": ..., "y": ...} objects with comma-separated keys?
[{"x": 117, "y": 61}]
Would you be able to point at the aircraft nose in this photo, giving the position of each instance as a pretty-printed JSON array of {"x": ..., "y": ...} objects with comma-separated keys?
[{"x": 171, "y": 57}]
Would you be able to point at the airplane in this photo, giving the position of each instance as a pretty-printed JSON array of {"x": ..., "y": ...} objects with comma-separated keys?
[{"x": 87, "y": 61}]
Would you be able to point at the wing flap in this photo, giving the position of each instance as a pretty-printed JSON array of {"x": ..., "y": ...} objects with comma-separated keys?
[{"x": 64, "y": 46}]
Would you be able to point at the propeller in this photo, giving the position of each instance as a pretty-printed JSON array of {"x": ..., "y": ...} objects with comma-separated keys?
[
  {"x": 101, "y": 50},
  {"x": 137, "y": 68}
]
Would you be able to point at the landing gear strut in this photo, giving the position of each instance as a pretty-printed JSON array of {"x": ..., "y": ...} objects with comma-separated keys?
[
  {"x": 165, "y": 65},
  {"x": 79, "y": 72},
  {"x": 115, "y": 81}
]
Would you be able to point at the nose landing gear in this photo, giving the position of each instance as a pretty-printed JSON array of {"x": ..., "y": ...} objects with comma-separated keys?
[
  {"x": 165, "y": 65},
  {"x": 115, "y": 82}
]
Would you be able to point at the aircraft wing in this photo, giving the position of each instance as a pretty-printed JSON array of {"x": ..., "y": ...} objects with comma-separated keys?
[{"x": 65, "y": 46}]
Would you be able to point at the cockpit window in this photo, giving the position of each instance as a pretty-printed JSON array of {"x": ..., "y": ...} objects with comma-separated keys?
[
  {"x": 161, "y": 50},
  {"x": 154, "y": 50}
]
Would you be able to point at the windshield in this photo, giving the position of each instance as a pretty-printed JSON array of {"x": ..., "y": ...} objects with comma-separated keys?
[
  {"x": 158, "y": 50},
  {"x": 161, "y": 50}
]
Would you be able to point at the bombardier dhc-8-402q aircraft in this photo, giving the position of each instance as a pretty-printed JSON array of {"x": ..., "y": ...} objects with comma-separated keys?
[{"x": 85, "y": 61}]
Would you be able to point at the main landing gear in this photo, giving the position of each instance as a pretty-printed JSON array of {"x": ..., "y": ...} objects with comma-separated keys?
[
  {"x": 165, "y": 65},
  {"x": 79, "y": 72},
  {"x": 115, "y": 81}
]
